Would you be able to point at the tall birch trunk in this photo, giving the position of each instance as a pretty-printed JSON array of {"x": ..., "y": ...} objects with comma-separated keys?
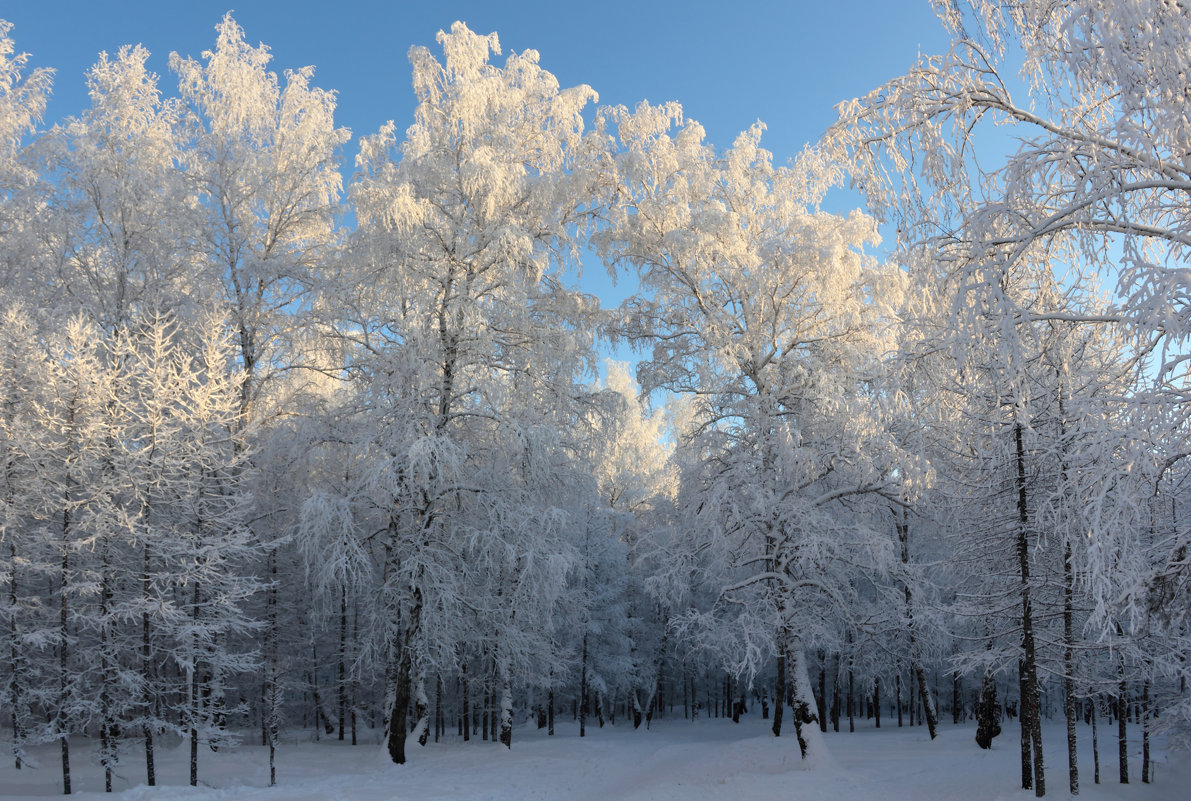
[
  {"x": 810, "y": 739},
  {"x": 1030, "y": 713},
  {"x": 1122, "y": 720}
]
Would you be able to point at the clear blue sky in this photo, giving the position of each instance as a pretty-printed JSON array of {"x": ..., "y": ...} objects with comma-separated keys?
[{"x": 728, "y": 63}]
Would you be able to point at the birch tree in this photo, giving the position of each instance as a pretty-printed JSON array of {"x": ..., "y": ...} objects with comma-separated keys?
[
  {"x": 22, "y": 102},
  {"x": 112, "y": 224},
  {"x": 769, "y": 313},
  {"x": 466, "y": 230},
  {"x": 1093, "y": 171},
  {"x": 22, "y": 367},
  {"x": 263, "y": 160}
]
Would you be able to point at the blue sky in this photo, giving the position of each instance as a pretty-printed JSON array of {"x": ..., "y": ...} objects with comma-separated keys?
[{"x": 728, "y": 63}]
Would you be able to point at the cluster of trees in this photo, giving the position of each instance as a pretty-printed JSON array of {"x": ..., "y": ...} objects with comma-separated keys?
[{"x": 262, "y": 469}]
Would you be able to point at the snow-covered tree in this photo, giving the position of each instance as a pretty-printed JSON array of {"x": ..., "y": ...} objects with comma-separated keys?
[
  {"x": 263, "y": 160},
  {"x": 636, "y": 480},
  {"x": 770, "y": 314},
  {"x": 22, "y": 370},
  {"x": 467, "y": 327},
  {"x": 22, "y": 102},
  {"x": 112, "y": 226},
  {"x": 1092, "y": 173}
]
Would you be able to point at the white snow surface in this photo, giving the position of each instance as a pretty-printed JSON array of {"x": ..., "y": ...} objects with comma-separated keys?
[{"x": 676, "y": 760}]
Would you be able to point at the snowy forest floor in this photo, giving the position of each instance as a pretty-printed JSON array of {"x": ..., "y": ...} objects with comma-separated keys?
[{"x": 677, "y": 759}]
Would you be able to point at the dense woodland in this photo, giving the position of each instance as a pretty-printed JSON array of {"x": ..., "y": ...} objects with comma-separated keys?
[{"x": 283, "y": 453}]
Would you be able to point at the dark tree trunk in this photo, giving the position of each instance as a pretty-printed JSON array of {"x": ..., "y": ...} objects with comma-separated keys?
[
  {"x": 148, "y": 670},
  {"x": 779, "y": 701},
  {"x": 465, "y": 719},
  {"x": 486, "y": 711},
  {"x": 107, "y": 722},
  {"x": 835, "y": 698},
  {"x": 1095, "y": 742},
  {"x": 822, "y": 692},
  {"x": 988, "y": 723},
  {"x": 583, "y": 690},
  {"x": 1029, "y": 680},
  {"x": 17, "y": 662},
  {"x": 1023, "y": 711},
  {"x": 64, "y": 657},
  {"x": 492, "y": 715},
  {"x": 851, "y": 695},
  {"x": 271, "y": 690},
  {"x": 877, "y": 700},
  {"x": 65, "y": 766},
  {"x": 898, "y": 700},
  {"x": 355, "y": 685},
  {"x": 341, "y": 664},
  {"x": 440, "y": 725},
  {"x": 399, "y": 712},
  {"x": 1069, "y": 671},
  {"x": 1145, "y": 732},
  {"x": 195, "y": 700},
  {"x": 957, "y": 699},
  {"x": 928, "y": 704},
  {"x": 1122, "y": 720}
]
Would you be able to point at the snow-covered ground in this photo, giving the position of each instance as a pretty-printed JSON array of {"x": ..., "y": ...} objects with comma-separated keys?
[{"x": 676, "y": 761}]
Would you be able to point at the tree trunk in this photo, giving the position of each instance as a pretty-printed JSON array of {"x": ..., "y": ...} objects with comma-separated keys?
[
  {"x": 399, "y": 712},
  {"x": 1122, "y": 720},
  {"x": 779, "y": 701},
  {"x": 440, "y": 725},
  {"x": 1029, "y": 678},
  {"x": 928, "y": 702},
  {"x": 506, "y": 702},
  {"x": 988, "y": 723},
  {"x": 466, "y": 718},
  {"x": 877, "y": 700},
  {"x": 16, "y": 659},
  {"x": 1095, "y": 743},
  {"x": 1069, "y": 671},
  {"x": 148, "y": 670},
  {"x": 355, "y": 684},
  {"x": 1023, "y": 712},
  {"x": 851, "y": 695},
  {"x": 809, "y": 737},
  {"x": 398, "y": 720},
  {"x": 271, "y": 690},
  {"x": 64, "y": 656},
  {"x": 1146, "y": 765},
  {"x": 195, "y": 700},
  {"x": 341, "y": 664},
  {"x": 421, "y": 730},
  {"x": 107, "y": 721},
  {"x": 835, "y": 698},
  {"x": 583, "y": 690},
  {"x": 822, "y": 692},
  {"x": 957, "y": 699},
  {"x": 486, "y": 710}
]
